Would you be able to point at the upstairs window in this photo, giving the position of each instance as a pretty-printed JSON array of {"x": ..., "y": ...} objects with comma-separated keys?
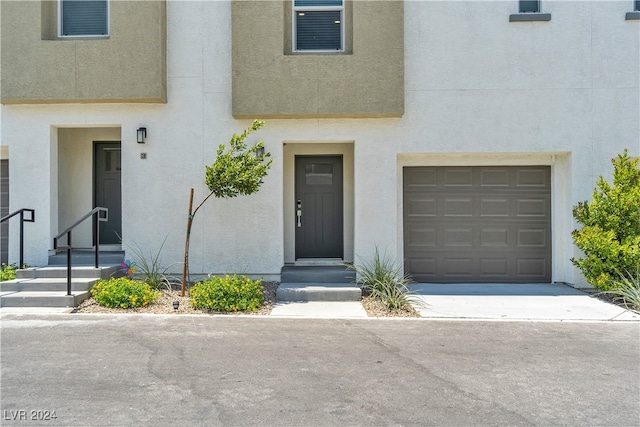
[
  {"x": 318, "y": 25},
  {"x": 529, "y": 6},
  {"x": 84, "y": 18}
]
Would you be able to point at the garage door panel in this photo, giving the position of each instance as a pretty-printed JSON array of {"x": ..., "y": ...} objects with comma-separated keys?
[
  {"x": 533, "y": 177},
  {"x": 494, "y": 238},
  {"x": 456, "y": 177},
  {"x": 426, "y": 266},
  {"x": 418, "y": 178},
  {"x": 533, "y": 268},
  {"x": 421, "y": 237},
  {"x": 458, "y": 237},
  {"x": 458, "y": 266},
  {"x": 491, "y": 207},
  {"x": 490, "y": 267},
  {"x": 422, "y": 207},
  {"x": 532, "y": 238},
  {"x": 458, "y": 206},
  {"x": 484, "y": 224},
  {"x": 532, "y": 207},
  {"x": 495, "y": 177}
]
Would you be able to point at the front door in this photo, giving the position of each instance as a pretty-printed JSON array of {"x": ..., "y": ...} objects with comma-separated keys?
[
  {"x": 319, "y": 229},
  {"x": 107, "y": 190}
]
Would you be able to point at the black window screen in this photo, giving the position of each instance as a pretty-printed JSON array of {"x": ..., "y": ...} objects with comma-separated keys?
[
  {"x": 319, "y": 30},
  {"x": 529, "y": 6},
  {"x": 84, "y": 18}
]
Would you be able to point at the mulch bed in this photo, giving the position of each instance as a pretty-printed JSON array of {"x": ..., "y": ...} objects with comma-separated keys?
[{"x": 164, "y": 305}]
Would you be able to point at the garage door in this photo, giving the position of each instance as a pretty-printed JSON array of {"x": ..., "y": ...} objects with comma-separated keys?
[{"x": 477, "y": 224}]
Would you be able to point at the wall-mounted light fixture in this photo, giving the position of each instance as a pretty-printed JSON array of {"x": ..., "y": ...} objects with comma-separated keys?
[
  {"x": 259, "y": 153},
  {"x": 142, "y": 135}
]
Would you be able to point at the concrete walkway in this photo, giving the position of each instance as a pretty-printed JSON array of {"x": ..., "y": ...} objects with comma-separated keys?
[
  {"x": 491, "y": 302},
  {"x": 522, "y": 302}
]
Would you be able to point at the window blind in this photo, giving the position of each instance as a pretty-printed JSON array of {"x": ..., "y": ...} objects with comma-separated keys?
[
  {"x": 319, "y": 30},
  {"x": 84, "y": 17}
]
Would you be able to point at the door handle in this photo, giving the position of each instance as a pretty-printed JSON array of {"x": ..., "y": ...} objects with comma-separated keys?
[{"x": 299, "y": 213}]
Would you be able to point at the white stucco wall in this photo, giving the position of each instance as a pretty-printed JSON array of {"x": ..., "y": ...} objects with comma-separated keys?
[{"x": 479, "y": 90}]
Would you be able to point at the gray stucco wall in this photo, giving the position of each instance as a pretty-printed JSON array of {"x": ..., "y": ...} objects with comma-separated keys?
[
  {"x": 127, "y": 66},
  {"x": 367, "y": 80}
]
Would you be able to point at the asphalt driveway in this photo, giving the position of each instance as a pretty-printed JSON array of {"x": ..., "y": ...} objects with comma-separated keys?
[{"x": 243, "y": 371}]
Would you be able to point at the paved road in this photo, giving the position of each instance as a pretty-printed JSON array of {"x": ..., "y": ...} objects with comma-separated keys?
[{"x": 199, "y": 370}]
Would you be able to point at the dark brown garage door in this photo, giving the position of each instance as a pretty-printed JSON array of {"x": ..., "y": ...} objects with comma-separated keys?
[{"x": 477, "y": 224}]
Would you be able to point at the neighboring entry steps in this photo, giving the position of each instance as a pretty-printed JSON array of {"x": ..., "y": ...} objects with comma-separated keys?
[
  {"x": 47, "y": 286},
  {"x": 317, "y": 283}
]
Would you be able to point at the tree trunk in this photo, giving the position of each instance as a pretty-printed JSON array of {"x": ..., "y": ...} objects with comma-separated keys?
[{"x": 185, "y": 266}]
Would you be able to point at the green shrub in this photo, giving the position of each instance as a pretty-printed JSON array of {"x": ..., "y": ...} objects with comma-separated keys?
[
  {"x": 626, "y": 289},
  {"x": 384, "y": 280},
  {"x": 378, "y": 272},
  {"x": 394, "y": 294},
  {"x": 610, "y": 236},
  {"x": 123, "y": 292},
  {"x": 227, "y": 294},
  {"x": 149, "y": 268},
  {"x": 7, "y": 272}
]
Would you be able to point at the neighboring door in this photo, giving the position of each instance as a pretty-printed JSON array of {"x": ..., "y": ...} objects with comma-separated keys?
[
  {"x": 478, "y": 224},
  {"x": 4, "y": 210},
  {"x": 319, "y": 230},
  {"x": 108, "y": 189}
]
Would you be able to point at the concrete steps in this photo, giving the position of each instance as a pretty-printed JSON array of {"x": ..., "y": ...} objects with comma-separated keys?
[
  {"x": 43, "y": 299},
  {"x": 316, "y": 274},
  {"x": 47, "y": 286},
  {"x": 86, "y": 257},
  {"x": 317, "y": 283}
]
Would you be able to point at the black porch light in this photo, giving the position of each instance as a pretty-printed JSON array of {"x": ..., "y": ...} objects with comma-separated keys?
[{"x": 142, "y": 135}]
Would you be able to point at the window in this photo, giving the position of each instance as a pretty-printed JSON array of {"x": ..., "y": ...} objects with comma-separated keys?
[
  {"x": 529, "y": 6},
  {"x": 318, "y": 25},
  {"x": 529, "y": 10},
  {"x": 635, "y": 14},
  {"x": 84, "y": 18}
]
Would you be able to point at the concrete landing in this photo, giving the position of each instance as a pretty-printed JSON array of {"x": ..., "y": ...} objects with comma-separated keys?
[
  {"x": 320, "y": 310},
  {"x": 318, "y": 292}
]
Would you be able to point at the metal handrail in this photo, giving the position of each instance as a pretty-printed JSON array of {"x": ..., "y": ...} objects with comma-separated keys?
[
  {"x": 69, "y": 246},
  {"x": 22, "y": 221}
]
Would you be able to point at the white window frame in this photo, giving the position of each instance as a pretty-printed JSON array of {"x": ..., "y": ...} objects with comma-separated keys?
[
  {"x": 297, "y": 9},
  {"x": 85, "y": 35}
]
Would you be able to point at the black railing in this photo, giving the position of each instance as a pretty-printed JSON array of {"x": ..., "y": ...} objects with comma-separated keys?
[
  {"x": 97, "y": 212},
  {"x": 22, "y": 221}
]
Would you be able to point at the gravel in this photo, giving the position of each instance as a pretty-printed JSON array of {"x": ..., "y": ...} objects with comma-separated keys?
[{"x": 164, "y": 305}]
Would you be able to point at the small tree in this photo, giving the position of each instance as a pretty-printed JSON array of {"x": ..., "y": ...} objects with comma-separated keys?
[
  {"x": 610, "y": 236},
  {"x": 236, "y": 171}
]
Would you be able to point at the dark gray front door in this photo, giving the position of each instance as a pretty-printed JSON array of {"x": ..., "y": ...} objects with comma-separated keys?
[
  {"x": 107, "y": 192},
  {"x": 319, "y": 207},
  {"x": 4, "y": 210}
]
